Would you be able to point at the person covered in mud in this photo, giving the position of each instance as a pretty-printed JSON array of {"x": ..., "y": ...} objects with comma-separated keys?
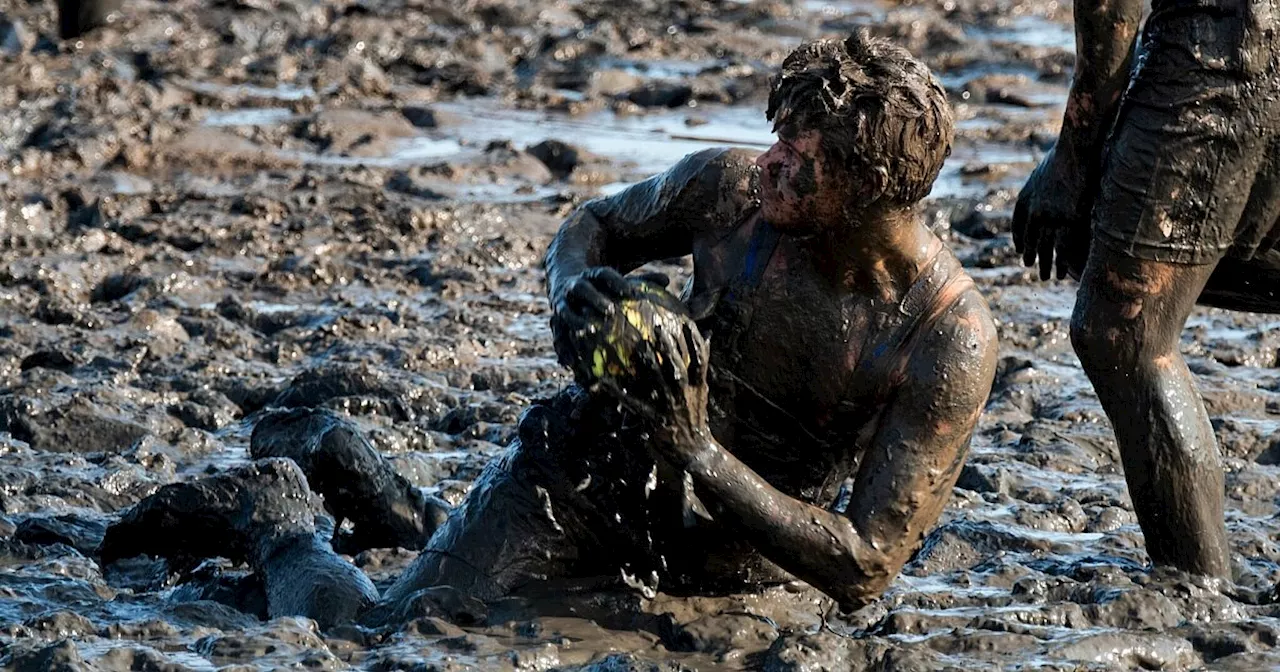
[
  {"x": 801, "y": 411},
  {"x": 837, "y": 365},
  {"x": 1163, "y": 191}
]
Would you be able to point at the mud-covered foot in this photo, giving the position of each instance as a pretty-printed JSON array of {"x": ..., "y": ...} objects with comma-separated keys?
[
  {"x": 358, "y": 484},
  {"x": 228, "y": 515}
]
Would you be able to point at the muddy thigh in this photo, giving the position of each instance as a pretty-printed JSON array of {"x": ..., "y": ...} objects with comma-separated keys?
[{"x": 575, "y": 496}]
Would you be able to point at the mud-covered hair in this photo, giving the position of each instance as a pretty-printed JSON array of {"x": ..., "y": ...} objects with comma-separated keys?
[{"x": 877, "y": 107}]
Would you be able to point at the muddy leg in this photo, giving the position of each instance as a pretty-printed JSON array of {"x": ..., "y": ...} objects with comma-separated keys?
[
  {"x": 227, "y": 515},
  {"x": 263, "y": 514},
  {"x": 1252, "y": 285},
  {"x": 304, "y": 577},
  {"x": 1126, "y": 327},
  {"x": 508, "y": 531},
  {"x": 568, "y": 500},
  {"x": 77, "y": 17},
  {"x": 358, "y": 484}
]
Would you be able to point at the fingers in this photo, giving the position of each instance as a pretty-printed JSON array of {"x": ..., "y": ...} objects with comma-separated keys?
[
  {"x": 567, "y": 317},
  {"x": 609, "y": 282},
  {"x": 1046, "y": 245},
  {"x": 654, "y": 278},
  {"x": 584, "y": 298},
  {"x": 1020, "y": 222},
  {"x": 597, "y": 290},
  {"x": 1063, "y": 258},
  {"x": 699, "y": 350},
  {"x": 674, "y": 357},
  {"x": 1031, "y": 240},
  {"x": 560, "y": 339},
  {"x": 1027, "y": 226}
]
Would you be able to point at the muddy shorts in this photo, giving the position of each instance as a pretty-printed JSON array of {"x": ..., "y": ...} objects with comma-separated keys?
[{"x": 1192, "y": 169}]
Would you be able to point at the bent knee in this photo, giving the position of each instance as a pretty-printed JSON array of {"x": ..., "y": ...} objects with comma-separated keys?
[
  {"x": 1098, "y": 340},
  {"x": 1108, "y": 344},
  {"x": 1130, "y": 312}
]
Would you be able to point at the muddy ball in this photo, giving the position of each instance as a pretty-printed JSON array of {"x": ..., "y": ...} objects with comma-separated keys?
[{"x": 625, "y": 352}]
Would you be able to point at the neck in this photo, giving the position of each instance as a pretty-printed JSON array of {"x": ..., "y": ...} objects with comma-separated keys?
[{"x": 879, "y": 254}]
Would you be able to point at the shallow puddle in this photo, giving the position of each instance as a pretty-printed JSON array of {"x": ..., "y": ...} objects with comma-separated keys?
[{"x": 644, "y": 143}]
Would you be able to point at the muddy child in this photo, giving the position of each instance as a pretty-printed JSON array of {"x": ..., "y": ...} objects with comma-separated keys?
[
  {"x": 802, "y": 410},
  {"x": 1167, "y": 166}
]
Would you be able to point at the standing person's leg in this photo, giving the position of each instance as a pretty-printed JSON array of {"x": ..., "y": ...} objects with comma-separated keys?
[
  {"x": 1185, "y": 180},
  {"x": 1126, "y": 329},
  {"x": 77, "y": 17}
]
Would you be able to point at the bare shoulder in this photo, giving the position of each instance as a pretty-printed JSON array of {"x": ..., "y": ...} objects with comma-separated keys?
[
  {"x": 704, "y": 192},
  {"x": 955, "y": 360},
  {"x": 735, "y": 165},
  {"x": 727, "y": 184}
]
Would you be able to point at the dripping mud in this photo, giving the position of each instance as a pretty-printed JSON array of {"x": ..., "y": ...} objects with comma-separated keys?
[{"x": 212, "y": 209}]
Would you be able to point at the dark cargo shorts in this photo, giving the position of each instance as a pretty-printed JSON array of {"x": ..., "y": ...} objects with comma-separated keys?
[{"x": 1192, "y": 170}]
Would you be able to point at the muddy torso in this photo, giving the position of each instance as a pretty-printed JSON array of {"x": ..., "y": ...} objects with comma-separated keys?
[
  {"x": 801, "y": 372},
  {"x": 780, "y": 355},
  {"x": 799, "y": 376},
  {"x": 799, "y": 379}
]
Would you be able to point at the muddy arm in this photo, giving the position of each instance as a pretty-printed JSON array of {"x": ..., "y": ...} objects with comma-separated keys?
[
  {"x": 1105, "y": 35},
  {"x": 655, "y": 219},
  {"x": 1054, "y": 209},
  {"x": 909, "y": 470},
  {"x": 900, "y": 488}
]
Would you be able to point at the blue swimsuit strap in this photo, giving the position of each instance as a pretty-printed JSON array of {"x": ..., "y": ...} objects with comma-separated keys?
[{"x": 763, "y": 242}]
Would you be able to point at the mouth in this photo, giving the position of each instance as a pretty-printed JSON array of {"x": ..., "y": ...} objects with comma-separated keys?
[
  {"x": 770, "y": 185},
  {"x": 766, "y": 192}
]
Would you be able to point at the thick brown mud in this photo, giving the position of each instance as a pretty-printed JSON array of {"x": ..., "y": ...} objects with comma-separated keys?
[{"x": 213, "y": 209}]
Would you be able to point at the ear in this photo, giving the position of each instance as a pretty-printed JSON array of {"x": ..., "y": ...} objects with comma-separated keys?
[{"x": 876, "y": 183}]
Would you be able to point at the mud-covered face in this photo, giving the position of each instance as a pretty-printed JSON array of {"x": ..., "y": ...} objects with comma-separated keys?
[{"x": 797, "y": 194}]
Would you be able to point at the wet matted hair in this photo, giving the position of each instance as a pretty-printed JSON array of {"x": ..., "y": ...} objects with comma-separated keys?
[{"x": 878, "y": 108}]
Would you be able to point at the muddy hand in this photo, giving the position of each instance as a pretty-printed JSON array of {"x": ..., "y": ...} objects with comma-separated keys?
[
  {"x": 588, "y": 298},
  {"x": 1051, "y": 218},
  {"x": 598, "y": 290},
  {"x": 678, "y": 408}
]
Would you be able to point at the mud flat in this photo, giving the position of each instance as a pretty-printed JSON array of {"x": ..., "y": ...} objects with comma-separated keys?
[{"x": 215, "y": 208}]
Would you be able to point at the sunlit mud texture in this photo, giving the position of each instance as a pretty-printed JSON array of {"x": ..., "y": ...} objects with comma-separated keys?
[{"x": 211, "y": 210}]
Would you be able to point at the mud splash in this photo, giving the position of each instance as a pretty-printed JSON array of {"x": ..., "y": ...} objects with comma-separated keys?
[{"x": 214, "y": 210}]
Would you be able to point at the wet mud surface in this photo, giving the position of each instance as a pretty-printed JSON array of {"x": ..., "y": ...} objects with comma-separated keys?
[{"x": 211, "y": 210}]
